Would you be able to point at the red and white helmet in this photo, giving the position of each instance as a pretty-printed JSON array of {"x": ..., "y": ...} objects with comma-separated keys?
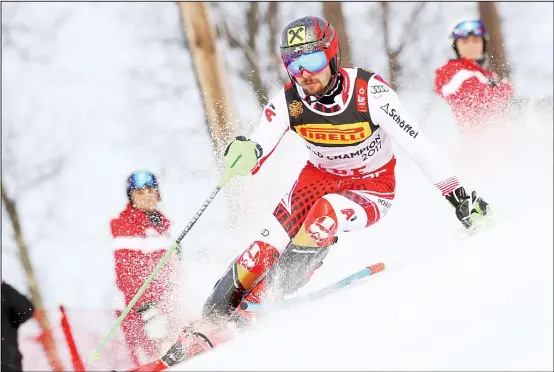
[{"x": 308, "y": 35}]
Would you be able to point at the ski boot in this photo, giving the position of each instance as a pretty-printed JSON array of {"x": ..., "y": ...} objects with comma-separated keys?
[
  {"x": 281, "y": 274},
  {"x": 240, "y": 278}
]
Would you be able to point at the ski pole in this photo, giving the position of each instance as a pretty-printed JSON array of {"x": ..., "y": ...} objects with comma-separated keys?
[{"x": 175, "y": 246}]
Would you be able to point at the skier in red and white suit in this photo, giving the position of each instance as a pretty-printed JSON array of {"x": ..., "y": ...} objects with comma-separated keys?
[
  {"x": 141, "y": 239},
  {"x": 348, "y": 118},
  {"x": 474, "y": 92}
]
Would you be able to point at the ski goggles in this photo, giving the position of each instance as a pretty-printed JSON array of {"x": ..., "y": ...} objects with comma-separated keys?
[
  {"x": 463, "y": 29},
  {"x": 139, "y": 180},
  {"x": 312, "y": 62}
]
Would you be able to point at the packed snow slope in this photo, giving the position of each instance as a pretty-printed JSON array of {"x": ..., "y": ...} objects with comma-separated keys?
[{"x": 443, "y": 302}]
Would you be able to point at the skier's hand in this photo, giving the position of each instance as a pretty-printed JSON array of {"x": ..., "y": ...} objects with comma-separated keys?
[
  {"x": 467, "y": 207},
  {"x": 241, "y": 156}
]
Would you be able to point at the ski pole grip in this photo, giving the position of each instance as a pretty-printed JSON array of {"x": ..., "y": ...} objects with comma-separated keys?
[
  {"x": 226, "y": 177},
  {"x": 230, "y": 172}
]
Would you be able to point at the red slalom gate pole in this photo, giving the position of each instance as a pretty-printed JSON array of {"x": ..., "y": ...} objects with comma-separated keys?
[{"x": 75, "y": 357}]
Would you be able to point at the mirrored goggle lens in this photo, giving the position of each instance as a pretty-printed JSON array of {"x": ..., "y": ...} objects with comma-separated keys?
[
  {"x": 465, "y": 28},
  {"x": 313, "y": 62},
  {"x": 143, "y": 179}
]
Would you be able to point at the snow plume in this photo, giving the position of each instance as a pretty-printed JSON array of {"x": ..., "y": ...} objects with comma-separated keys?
[{"x": 442, "y": 303}]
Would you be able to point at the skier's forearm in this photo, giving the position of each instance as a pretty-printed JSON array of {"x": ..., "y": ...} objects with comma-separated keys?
[
  {"x": 274, "y": 123},
  {"x": 404, "y": 130}
]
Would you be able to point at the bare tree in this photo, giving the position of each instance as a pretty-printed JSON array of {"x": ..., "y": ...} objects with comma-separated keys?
[
  {"x": 332, "y": 11},
  {"x": 252, "y": 70},
  {"x": 273, "y": 40},
  {"x": 253, "y": 29},
  {"x": 495, "y": 46},
  {"x": 46, "y": 337},
  {"x": 211, "y": 76},
  {"x": 26, "y": 172},
  {"x": 408, "y": 32},
  {"x": 25, "y": 178}
]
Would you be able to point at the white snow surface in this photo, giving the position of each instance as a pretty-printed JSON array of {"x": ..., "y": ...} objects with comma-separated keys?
[{"x": 482, "y": 302}]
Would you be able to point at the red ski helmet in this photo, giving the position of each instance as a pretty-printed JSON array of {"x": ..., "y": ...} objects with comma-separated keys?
[{"x": 308, "y": 35}]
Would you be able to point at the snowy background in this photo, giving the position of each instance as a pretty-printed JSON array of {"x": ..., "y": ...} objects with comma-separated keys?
[{"x": 104, "y": 89}]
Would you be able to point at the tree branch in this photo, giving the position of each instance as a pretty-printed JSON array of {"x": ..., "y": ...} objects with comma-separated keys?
[
  {"x": 385, "y": 24},
  {"x": 43, "y": 173},
  {"x": 408, "y": 29},
  {"x": 271, "y": 15},
  {"x": 249, "y": 53},
  {"x": 249, "y": 50}
]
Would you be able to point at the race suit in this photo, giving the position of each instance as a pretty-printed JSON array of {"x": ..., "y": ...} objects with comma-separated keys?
[
  {"x": 347, "y": 184},
  {"x": 474, "y": 93}
]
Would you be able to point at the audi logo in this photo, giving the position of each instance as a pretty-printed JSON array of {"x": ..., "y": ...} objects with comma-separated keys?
[{"x": 378, "y": 89}]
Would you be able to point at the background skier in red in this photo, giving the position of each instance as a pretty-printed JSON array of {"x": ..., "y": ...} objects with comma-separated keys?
[
  {"x": 141, "y": 238},
  {"x": 474, "y": 92}
]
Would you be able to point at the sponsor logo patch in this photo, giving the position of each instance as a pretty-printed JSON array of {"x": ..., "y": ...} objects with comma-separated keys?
[
  {"x": 321, "y": 229},
  {"x": 296, "y": 35},
  {"x": 250, "y": 257},
  {"x": 401, "y": 123},
  {"x": 384, "y": 203},
  {"x": 365, "y": 152},
  {"x": 349, "y": 214},
  {"x": 376, "y": 89},
  {"x": 361, "y": 95},
  {"x": 269, "y": 113},
  {"x": 295, "y": 109},
  {"x": 329, "y": 134}
]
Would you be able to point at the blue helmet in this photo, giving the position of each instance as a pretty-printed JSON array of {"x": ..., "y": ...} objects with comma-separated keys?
[
  {"x": 139, "y": 180},
  {"x": 464, "y": 28}
]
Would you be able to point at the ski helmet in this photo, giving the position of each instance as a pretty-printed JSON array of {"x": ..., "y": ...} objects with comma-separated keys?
[
  {"x": 464, "y": 28},
  {"x": 141, "y": 179},
  {"x": 309, "y": 35}
]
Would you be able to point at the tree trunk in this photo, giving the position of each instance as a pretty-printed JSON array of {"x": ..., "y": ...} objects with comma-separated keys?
[
  {"x": 408, "y": 32},
  {"x": 252, "y": 70},
  {"x": 211, "y": 76},
  {"x": 255, "y": 78},
  {"x": 46, "y": 338},
  {"x": 332, "y": 12},
  {"x": 273, "y": 42},
  {"x": 495, "y": 46},
  {"x": 392, "y": 56}
]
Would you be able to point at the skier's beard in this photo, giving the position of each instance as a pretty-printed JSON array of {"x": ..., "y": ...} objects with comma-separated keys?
[{"x": 313, "y": 86}]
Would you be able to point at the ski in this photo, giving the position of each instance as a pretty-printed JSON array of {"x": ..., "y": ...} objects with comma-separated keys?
[
  {"x": 196, "y": 342},
  {"x": 365, "y": 272},
  {"x": 190, "y": 344}
]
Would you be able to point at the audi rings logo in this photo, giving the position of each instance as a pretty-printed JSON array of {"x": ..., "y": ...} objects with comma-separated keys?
[{"x": 376, "y": 89}]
